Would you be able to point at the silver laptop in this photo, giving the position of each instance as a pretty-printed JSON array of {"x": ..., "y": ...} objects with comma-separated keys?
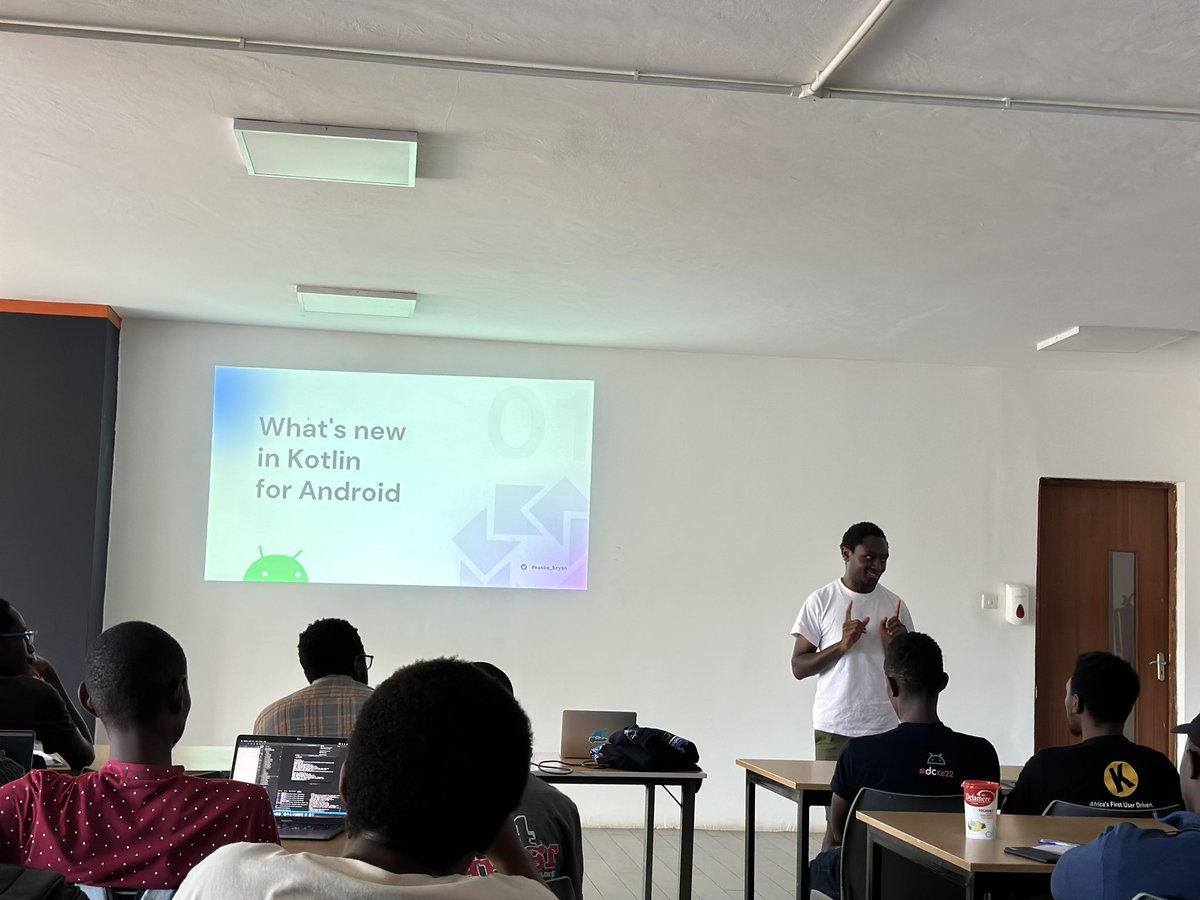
[
  {"x": 301, "y": 776},
  {"x": 584, "y": 729}
]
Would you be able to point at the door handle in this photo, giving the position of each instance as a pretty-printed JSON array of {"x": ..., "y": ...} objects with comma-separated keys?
[{"x": 1160, "y": 662}]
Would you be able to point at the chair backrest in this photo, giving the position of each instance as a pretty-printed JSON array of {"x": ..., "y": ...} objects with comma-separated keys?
[
  {"x": 1063, "y": 808},
  {"x": 854, "y": 837},
  {"x": 19, "y": 881}
]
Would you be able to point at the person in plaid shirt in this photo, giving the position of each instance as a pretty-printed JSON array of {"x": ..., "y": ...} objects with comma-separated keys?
[{"x": 331, "y": 654}]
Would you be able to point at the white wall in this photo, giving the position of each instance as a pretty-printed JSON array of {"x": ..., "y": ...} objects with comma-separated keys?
[{"x": 721, "y": 487}]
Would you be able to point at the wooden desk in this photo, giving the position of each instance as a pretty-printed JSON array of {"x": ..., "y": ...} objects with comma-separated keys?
[
  {"x": 803, "y": 781},
  {"x": 938, "y": 842},
  {"x": 193, "y": 759},
  {"x": 688, "y": 784},
  {"x": 806, "y": 783}
]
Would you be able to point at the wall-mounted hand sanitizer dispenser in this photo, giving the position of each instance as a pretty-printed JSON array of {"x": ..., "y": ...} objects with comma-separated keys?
[{"x": 1017, "y": 608}]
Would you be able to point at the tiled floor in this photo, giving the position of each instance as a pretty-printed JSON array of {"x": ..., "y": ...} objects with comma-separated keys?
[{"x": 613, "y": 864}]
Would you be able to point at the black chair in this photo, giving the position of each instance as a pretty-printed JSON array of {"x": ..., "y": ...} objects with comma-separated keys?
[
  {"x": 1063, "y": 808},
  {"x": 19, "y": 881},
  {"x": 905, "y": 878}
]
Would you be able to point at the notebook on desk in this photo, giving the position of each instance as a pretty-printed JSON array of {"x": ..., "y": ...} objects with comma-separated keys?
[
  {"x": 300, "y": 775},
  {"x": 583, "y": 729}
]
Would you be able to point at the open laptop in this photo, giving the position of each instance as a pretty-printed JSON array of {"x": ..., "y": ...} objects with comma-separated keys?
[
  {"x": 18, "y": 746},
  {"x": 301, "y": 776},
  {"x": 583, "y": 729}
]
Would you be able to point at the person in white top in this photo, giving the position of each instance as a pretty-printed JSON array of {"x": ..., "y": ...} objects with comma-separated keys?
[
  {"x": 419, "y": 803},
  {"x": 836, "y": 642}
]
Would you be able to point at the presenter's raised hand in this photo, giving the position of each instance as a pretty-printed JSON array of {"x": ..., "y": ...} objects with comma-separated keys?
[
  {"x": 890, "y": 627},
  {"x": 852, "y": 628}
]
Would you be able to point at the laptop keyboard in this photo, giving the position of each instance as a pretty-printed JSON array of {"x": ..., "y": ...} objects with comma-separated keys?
[{"x": 293, "y": 829}]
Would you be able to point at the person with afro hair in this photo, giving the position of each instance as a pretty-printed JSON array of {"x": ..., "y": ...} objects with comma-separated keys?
[{"x": 421, "y": 802}]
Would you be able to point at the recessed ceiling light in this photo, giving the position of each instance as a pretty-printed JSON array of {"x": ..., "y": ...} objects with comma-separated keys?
[
  {"x": 1113, "y": 339},
  {"x": 328, "y": 152},
  {"x": 350, "y": 301}
]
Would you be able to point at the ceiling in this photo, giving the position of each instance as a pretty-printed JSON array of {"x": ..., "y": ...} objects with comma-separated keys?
[{"x": 625, "y": 215}]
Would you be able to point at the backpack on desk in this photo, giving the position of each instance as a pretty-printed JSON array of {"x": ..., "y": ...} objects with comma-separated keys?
[{"x": 642, "y": 749}]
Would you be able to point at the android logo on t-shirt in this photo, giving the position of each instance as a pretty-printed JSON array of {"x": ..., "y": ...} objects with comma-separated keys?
[{"x": 276, "y": 568}]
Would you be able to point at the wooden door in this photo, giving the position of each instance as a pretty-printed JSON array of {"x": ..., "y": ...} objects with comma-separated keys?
[{"x": 1105, "y": 581}]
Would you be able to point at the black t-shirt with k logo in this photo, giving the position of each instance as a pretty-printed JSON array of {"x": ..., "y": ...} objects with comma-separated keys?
[{"x": 1108, "y": 772}]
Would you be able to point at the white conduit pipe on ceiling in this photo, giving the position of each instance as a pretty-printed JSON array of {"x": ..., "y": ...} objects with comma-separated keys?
[{"x": 813, "y": 90}]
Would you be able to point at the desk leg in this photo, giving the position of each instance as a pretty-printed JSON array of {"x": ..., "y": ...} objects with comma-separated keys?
[
  {"x": 648, "y": 873},
  {"x": 749, "y": 891},
  {"x": 803, "y": 877},
  {"x": 687, "y": 839}
]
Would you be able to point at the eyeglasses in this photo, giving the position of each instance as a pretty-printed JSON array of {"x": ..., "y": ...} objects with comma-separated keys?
[
  {"x": 27, "y": 635},
  {"x": 367, "y": 659}
]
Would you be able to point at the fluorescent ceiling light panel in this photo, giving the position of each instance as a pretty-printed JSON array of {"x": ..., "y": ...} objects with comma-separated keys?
[
  {"x": 1113, "y": 339},
  {"x": 348, "y": 301},
  {"x": 328, "y": 152}
]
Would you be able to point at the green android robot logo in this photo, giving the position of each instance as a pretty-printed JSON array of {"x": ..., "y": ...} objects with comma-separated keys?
[{"x": 277, "y": 568}]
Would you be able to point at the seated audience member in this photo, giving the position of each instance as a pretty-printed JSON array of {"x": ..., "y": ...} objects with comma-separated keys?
[
  {"x": 919, "y": 756},
  {"x": 1127, "y": 860},
  {"x": 139, "y": 822},
  {"x": 32, "y": 697},
  {"x": 419, "y": 803},
  {"x": 1107, "y": 770},
  {"x": 331, "y": 654},
  {"x": 548, "y": 827}
]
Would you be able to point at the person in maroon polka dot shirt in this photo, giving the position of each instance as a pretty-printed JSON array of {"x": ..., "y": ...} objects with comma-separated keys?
[{"x": 139, "y": 822}]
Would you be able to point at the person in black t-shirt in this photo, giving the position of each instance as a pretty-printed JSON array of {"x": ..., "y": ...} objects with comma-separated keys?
[
  {"x": 919, "y": 756},
  {"x": 1107, "y": 770},
  {"x": 32, "y": 697}
]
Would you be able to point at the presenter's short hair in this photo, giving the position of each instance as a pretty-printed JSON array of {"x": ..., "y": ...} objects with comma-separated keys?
[
  {"x": 1107, "y": 686},
  {"x": 128, "y": 672},
  {"x": 328, "y": 647},
  {"x": 859, "y": 532},
  {"x": 413, "y": 776}
]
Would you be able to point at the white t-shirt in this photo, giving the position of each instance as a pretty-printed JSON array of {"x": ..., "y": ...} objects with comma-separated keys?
[
  {"x": 268, "y": 872},
  {"x": 851, "y": 694}
]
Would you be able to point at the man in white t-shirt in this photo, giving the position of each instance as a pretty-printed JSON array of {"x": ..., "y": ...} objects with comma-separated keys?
[
  {"x": 836, "y": 642},
  {"x": 419, "y": 801}
]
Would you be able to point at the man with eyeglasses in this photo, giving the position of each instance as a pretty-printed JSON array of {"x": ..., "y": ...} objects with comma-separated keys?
[
  {"x": 32, "y": 697},
  {"x": 331, "y": 654}
]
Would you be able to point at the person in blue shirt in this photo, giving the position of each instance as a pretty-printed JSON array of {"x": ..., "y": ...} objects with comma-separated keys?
[{"x": 1126, "y": 860}]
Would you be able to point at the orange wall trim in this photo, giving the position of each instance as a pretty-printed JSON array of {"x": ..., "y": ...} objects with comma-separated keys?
[{"x": 45, "y": 308}]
